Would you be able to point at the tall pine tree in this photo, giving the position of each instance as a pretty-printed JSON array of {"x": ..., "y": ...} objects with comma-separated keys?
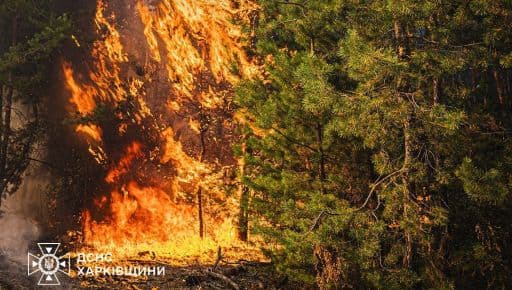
[
  {"x": 30, "y": 33},
  {"x": 380, "y": 142}
]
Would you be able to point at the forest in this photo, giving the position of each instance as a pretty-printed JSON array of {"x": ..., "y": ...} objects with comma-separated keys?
[{"x": 294, "y": 144}]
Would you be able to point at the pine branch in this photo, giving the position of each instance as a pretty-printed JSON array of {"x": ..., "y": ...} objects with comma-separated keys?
[{"x": 374, "y": 186}]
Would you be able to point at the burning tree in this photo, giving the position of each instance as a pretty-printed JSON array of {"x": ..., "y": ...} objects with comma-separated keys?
[{"x": 155, "y": 107}]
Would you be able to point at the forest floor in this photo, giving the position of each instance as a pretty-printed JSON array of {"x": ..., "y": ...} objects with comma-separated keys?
[{"x": 222, "y": 275}]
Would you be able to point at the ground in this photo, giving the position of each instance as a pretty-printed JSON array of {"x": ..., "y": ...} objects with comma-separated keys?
[{"x": 241, "y": 274}]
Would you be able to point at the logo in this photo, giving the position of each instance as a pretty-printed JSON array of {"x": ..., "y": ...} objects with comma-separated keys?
[{"x": 48, "y": 264}]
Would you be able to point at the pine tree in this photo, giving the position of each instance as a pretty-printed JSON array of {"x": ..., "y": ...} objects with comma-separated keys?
[
  {"x": 371, "y": 139},
  {"x": 31, "y": 32}
]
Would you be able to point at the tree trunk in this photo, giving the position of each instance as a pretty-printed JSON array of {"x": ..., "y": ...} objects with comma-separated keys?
[
  {"x": 435, "y": 88},
  {"x": 200, "y": 211},
  {"x": 6, "y": 136},
  {"x": 243, "y": 217},
  {"x": 407, "y": 183},
  {"x": 321, "y": 164},
  {"x": 2, "y": 172},
  {"x": 199, "y": 189},
  {"x": 507, "y": 82},
  {"x": 402, "y": 48},
  {"x": 6, "y": 121},
  {"x": 485, "y": 77},
  {"x": 2, "y": 87},
  {"x": 499, "y": 86}
]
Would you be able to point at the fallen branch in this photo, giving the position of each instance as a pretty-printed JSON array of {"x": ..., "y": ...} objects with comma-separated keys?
[
  {"x": 211, "y": 272},
  {"x": 223, "y": 278},
  {"x": 247, "y": 263},
  {"x": 219, "y": 258}
]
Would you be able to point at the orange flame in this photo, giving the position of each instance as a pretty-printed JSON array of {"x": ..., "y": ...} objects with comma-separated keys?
[
  {"x": 91, "y": 130},
  {"x": 136, "y": 208},
  {"x": 124, "y": 165},
  {"x": 81, "y": 97},
  {"x": 197, "y": 37},
  {"x": 153, "y": 204}
]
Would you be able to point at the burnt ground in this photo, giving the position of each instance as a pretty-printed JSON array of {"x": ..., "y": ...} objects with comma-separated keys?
[{"x": 244, "y": 275}]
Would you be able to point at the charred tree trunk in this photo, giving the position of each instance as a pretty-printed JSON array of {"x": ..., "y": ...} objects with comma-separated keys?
[
  {"x": 203, "y": 130},
  {"x": 243, "y": 229},
  {"x": 200, "y": 213},
  {"x": 243, "y": 218}
]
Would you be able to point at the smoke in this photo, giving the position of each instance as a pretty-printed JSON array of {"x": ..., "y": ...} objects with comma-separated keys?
[
  {"x": 24, "y": 214},
  {"x": 19, "y": 226},
  {"x": 18, "y": 233}
]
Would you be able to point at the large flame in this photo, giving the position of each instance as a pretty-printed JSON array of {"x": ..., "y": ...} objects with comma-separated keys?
[
  {"x": 180, "y": 24},
  {"x": 154, "y": 182}
]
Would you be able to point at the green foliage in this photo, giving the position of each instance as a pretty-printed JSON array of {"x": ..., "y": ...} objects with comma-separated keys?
[
  {"x": 31, "y": 33},
  {"x": 488, "y": 187},
  {"x": 38, "y": 47},
  {"x": 380, "y": 142}
]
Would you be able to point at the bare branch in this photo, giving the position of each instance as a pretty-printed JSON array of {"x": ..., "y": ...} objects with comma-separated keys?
[
  {"x": 316, "y": 222},
  {"x": 375, "y": 185}
]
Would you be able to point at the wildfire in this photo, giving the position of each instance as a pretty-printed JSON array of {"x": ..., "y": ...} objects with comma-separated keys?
[
  {"x": 124, "y": 165},
  {"x": 81, "y": 96},
  {"x": 158, "y": 190},
  {"x": 91, "y": 130},
  {"x": 196, "y": 37}
]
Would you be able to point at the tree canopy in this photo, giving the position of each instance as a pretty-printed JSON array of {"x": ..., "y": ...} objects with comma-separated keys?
[
  {"x": 378, "y": 148},
  {"x": 31, "y": 32}
]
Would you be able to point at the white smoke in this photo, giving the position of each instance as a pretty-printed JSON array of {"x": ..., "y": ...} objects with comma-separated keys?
[
  {"x": 24, "y": 210},
  {"x": 18, "y": 233}
]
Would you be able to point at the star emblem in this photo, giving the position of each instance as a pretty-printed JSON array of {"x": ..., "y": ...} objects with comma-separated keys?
[{"x": 48, "y": 264}]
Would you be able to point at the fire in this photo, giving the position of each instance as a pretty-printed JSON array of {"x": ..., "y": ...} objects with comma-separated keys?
[
  {"x": 139, "y": 215},
  {"x": 176, "y": 25},
  {"x": 153, "y": 184},
  {"x": 91, "y": 130},
  {"x": 123, "y": 166},
  {"x": 81, "y": 97}
]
